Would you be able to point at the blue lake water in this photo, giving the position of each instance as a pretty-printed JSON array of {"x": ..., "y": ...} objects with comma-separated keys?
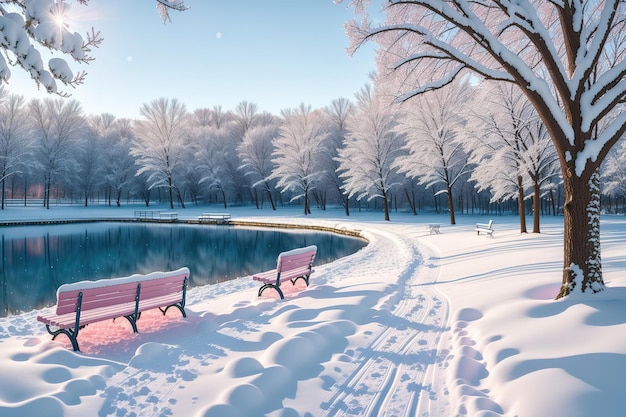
[{"x": 36, "y": 260}]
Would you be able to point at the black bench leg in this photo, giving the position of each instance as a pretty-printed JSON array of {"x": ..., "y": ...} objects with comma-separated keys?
[
  {"x": 132, "y": 322},
  {"x": 305, "y": 278},
  {"x": 69, "y": 333},
  {"x": 177, "y": 305},
  {"x": 266, "y": 286}
]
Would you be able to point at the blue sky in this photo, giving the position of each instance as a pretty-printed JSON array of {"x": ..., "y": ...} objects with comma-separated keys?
[{"x": 275, "y": 53}]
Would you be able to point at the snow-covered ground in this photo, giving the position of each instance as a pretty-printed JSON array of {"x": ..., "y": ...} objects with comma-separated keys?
[{"x": 414, "y": 324}]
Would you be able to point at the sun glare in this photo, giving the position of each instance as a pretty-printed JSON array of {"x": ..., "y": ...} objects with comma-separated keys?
[{"x": 60, "y": 15}]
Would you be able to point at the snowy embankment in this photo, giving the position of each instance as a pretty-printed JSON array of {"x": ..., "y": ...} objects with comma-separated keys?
[{"x": 414, "y": 325}]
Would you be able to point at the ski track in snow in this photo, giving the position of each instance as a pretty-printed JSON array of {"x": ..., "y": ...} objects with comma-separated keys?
[{"x": 390, "y": 377}]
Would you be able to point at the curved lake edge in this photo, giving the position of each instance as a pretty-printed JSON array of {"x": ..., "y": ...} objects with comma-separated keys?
[
  {"x": 262, "y": 261},
  {"x": 243, "y": 223}
]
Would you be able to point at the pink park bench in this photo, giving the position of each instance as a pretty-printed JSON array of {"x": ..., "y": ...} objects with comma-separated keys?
[
  {"x": 85, "y": 302},
  {"x": 291, "y": 265}
]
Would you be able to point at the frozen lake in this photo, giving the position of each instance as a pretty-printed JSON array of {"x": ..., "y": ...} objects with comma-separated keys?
[{"x": 36, "y": 260}]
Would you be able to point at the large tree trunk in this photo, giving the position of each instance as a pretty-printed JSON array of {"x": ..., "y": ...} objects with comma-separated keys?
[
  {"x": 536, "y": 207},
  {"x": 169, "y": 191},
  {"x": 269, "y": 195},
  {"x": 582, "y": 266},
  {"x": 385, "y": 205},
  {"x": 451, "y": 206},
  {"x": 307, "y": 209},
  {"x": 46, "y": 198},
  {"x": 521, "y": 207}
]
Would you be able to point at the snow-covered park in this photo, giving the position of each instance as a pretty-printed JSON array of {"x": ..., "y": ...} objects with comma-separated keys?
[{"x": 414, "y": 324}]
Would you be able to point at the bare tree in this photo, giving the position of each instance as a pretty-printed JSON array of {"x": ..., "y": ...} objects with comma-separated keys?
[
  {"x": 160, "y": 142},
  {"x": 435, "y": 155},
  {"x": 296, "y": 154},
  {"x": 88, "y": 156},
  {"x": 510, "y": 147},
  {"x": 246, "y": 114},
  {"x": 338, "y": 112},
  {"x": 216, "y": 159},
  {"x": 56, "y": 125},
  {"x": 16, "y": 143},
  {"x": 255, "y": 152},
  {"x": 568, "y": 59},
  {"x": 367, "y": 162}
]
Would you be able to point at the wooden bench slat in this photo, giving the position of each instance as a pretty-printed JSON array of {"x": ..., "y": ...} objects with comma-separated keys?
[{"x": 97, "y": 297}]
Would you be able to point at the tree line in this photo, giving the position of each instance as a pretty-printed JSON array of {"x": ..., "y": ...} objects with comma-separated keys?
[{"x": 433, "y": 153}]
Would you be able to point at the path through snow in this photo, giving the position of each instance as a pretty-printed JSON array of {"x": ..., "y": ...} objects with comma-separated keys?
[{"x": 389, "y": 376}]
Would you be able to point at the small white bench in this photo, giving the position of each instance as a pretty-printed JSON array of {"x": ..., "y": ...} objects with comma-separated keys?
[
  {"x": 147, "y": 214},
  {"x": 216, "y": 218},
  {"x": 168, "y": 215},
  {"x": 85, "y": 302},
  {"x": 291, "y": 265},
  {"x": 485, "y": 228},
  {"x": 433, "y": 228}
]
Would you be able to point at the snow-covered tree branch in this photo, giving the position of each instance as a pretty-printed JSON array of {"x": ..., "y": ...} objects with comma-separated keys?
[{"x": 30, "y": 29}]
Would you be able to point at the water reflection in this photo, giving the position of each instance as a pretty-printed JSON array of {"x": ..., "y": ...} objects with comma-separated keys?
[{"x": 36, "y": 260}]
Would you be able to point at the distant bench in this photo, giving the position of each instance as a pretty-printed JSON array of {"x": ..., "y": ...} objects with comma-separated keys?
[
  {"x": 85, "y": 302},
  {"x": 485, "y": 228},
  {"x": 291, "y": 265},
  {"x": 433, "y": 228},
  {"x": 170, "y": 215},
  {"x": 156, "y": 214},
  {"x": 221, "y": 218},
  {"x": 147, "y": 214}
]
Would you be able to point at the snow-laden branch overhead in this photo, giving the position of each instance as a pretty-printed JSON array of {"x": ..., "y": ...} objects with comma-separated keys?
[{"x": 32, "y": 31}]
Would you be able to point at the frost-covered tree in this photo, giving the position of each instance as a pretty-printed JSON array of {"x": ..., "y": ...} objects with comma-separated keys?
[
  {"x": 88, "y": 155},
  {"x": 16, "y": 140},
  {"x": 32, "y": 28},
  {"x": 338, "y": 113},
  {"x": 568, "y": 59},
  {"x": 216, "y": 159},
  {"x": 165, "y": 6},
  {"x": 510, "y": 147},
  {"x": 435, "y": 155},
  {"x": 367, "y": 162},
  {"x": 161, "y": 137},
  {"x": 57, "y": 124},
  {"x": 296, "y": 154},
  {"x": 245, "y": 117},
  {"x": 614, "y": 172},
  {"x": 116, "y": 164},
  {"x": 255, "y": 152},
  {"x": 120, "y": 165}
]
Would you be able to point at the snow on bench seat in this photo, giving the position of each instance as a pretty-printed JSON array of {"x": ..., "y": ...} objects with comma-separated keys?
[
  {"x": 214, "y": 218},
  {"x": 85, "y": 302},
  {"x": 485, "y": 228}
]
